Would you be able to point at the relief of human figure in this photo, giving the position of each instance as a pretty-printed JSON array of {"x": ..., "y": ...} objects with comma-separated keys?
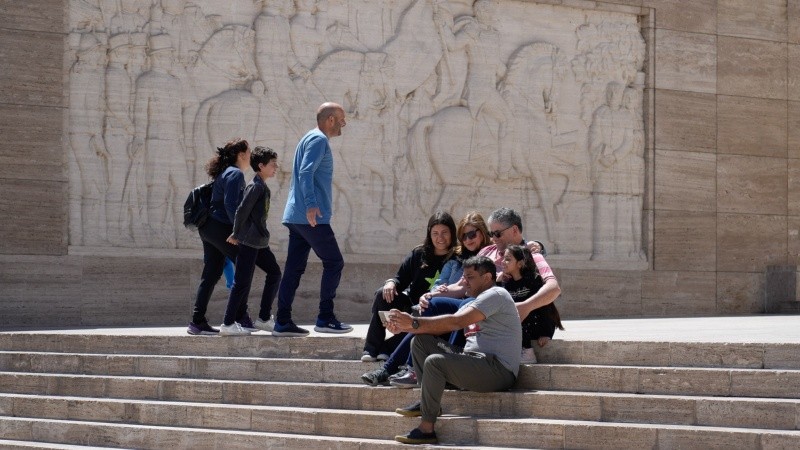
[
  {"x": 276, "y": 62},
  {"x": 308, "y": 29},
  {"x": 610, "y": 145},
  {"x": 118, "y": 135},
  {"x": 159, "y": 137},
  {"x": 481, "y": 40},
  {"x": 634, "y": 168},
  {"x": 134, "y": 193},
  {"x": 86, "y": 110}
]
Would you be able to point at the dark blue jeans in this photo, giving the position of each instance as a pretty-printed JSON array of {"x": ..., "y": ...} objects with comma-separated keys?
[
  {"x": 302, "y": 239},
  {"x": 246, "y": 263},
  {"x": 439, "y": 306}
]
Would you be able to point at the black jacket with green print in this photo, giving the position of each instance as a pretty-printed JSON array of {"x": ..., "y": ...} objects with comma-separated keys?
[{"x": 416, "y": 275}]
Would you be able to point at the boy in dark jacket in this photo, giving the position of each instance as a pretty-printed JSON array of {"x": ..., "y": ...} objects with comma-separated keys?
[{"x": 251, "y": 235}]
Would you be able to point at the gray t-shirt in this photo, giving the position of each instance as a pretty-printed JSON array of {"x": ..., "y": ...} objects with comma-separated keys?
[{"x": 500, "y": 333}]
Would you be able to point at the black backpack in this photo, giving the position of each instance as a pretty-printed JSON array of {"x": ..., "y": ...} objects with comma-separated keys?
[{"x": 197, "y": 207}]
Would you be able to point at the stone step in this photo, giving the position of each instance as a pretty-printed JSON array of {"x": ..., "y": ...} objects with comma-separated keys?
[
  {"x": 348, "y": 347},
  {"x": 517, "y": 433},
  {"x": 161, "y": 437},
  {"x": 775, "y": 383},
  {"x": 7, "y": 444},
  {"x": 260, "y": 345},
  {"x": 632, "y": 408}
]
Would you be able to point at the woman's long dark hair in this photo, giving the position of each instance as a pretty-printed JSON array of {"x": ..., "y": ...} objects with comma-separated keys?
[
  {"x": 428, "y": 250},
  {"x": 226, "y": 156}
]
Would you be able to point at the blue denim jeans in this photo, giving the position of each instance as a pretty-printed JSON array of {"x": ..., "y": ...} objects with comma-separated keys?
[
  {"x": 439, "y": 306},
  {"x": 303, "y": 239}
]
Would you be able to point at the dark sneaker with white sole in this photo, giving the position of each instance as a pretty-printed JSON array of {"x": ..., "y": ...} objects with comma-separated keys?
[
  {"x": 201, "y": 329},
  {"x": 332, "y": 326},
  {"x": 416, "y": 436},
  {"x": 376, "y": 377},
  {"x": 289, "y": 329},
  {"x": 406, "y": 381}
]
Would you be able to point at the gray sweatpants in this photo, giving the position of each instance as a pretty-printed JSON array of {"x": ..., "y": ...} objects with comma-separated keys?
[{"x": 438, "y": 363}]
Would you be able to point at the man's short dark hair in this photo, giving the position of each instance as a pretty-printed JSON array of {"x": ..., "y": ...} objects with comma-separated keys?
[
  {"x": 481, "y": 264},
  {"x": 261, "y": 155},
  {"x": 507, "y": 217}
]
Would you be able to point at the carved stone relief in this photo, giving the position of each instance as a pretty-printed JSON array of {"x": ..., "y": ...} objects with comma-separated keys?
[{"x": 451, "y": 104}]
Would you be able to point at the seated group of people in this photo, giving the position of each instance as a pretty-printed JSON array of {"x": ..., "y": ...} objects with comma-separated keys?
[{"x": 465, "y": 309}]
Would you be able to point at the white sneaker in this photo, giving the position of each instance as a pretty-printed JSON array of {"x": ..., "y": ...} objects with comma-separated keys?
[
  {"x": 233, "y": 329},
  {"x": 366, "y": 357},
  {"x": 269, "y": 325},
  {"x": 527, "y": 355}
]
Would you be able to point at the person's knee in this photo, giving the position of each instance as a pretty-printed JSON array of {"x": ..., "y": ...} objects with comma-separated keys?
[
  {"x": 336, "y": 264},
  {"x": 436, "y": 362}
]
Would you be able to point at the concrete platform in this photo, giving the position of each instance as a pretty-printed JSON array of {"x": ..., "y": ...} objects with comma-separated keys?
[{"x": 758, "y": 329}]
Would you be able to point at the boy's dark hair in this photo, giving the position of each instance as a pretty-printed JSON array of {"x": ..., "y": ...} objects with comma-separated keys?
[
  {"x": 261, "y": 155},
  {"x": 481, "y": 264}
]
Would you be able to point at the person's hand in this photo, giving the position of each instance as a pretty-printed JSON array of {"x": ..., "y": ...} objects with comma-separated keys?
[
  {"x": 389, "y": 291},
  {"x": 312, "y": 214},
  {"x": 231, "y": 240},
  {"x": 442, "y": 289},
  {"x": 501, "y": 277},
  {"x": 424, "y": 302},
  {"x": 534, "y": 247},
  {"x": 542, "y": 341},
  {"x": 398, "y": 321}
]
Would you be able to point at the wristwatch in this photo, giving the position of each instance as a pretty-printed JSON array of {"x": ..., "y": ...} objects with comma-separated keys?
[{"x": 414, "y": 324}]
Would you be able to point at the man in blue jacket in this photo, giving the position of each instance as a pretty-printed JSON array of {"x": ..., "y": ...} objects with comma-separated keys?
[{"x": 308, "y": 216}]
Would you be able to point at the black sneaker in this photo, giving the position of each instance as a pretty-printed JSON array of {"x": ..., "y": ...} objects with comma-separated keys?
[
  {"x": 204, "y": 329},
  {"x": 289, "y": 329},
  {"x": 247, "y": 323},
  {"x": 376, "y": 377},
  {"x": 416, "y": 436},
  {"x": 413, "y": 410}
]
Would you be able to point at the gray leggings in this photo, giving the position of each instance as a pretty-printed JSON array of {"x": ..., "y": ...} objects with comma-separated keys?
[{"x": 437, "y": 363}]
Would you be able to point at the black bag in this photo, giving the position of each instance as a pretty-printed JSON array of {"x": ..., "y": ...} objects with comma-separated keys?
[{"x": 197, "y": 207}]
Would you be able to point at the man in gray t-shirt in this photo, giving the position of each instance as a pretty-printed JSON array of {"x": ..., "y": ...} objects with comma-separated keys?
[{"x": 490, "y": 360}]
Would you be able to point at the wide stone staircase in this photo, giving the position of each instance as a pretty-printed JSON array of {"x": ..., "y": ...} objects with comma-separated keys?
[{"x": 62, "y": 390}]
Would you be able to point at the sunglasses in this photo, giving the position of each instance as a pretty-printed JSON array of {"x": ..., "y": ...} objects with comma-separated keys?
[
  {"x": 497, "y": 233},
  {"x": 469, "y": 235}
]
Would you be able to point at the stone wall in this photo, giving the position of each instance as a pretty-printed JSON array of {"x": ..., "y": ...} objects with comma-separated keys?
[{"x": 710, "y": 94}]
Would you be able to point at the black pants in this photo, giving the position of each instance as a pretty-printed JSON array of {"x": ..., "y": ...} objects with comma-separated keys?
[
  {"x": 376, "y": 342},
  {"x": 535, "y": 326},
  {"x": 246, "y": 263},
  {"x": 215, "y": 249}
]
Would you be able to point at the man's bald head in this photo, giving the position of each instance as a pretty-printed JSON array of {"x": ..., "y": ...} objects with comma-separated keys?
[
  {"x": 330, "y": 119},
  {"x": 326, "y": 110}
]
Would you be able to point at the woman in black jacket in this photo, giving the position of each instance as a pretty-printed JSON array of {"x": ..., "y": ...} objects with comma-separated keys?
[{"x": 416, "y": 275}]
